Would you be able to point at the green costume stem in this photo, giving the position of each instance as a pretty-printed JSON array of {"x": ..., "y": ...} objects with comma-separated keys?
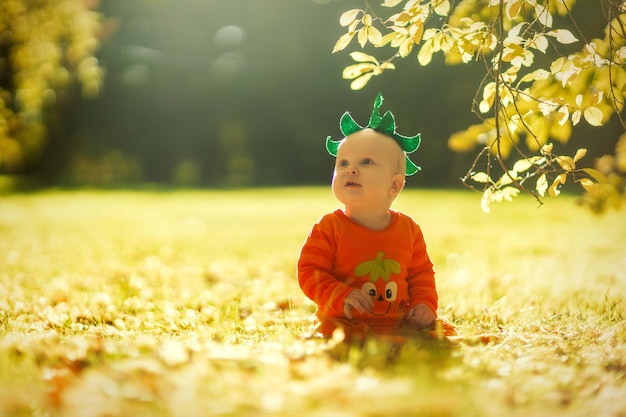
[{"x": 385, "y": 124}]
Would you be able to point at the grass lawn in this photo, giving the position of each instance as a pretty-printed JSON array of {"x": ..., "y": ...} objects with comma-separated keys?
[{"x": 185, "y": 303}]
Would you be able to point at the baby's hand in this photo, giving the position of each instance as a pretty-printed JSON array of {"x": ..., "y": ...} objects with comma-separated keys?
[
  {"x": 359, "y": 300},
  {"x": 421, "y": 316}
]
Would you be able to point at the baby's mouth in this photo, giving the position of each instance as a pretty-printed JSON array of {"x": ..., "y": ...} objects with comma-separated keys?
[{"x": 352, "y": 184}]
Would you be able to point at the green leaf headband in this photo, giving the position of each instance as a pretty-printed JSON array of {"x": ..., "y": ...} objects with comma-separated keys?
[{"x": 385, "y": 125}]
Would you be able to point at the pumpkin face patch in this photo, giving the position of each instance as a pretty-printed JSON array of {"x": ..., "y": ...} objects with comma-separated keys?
[
  {"x": 383, "y": 294},
  {"x": 381, "y": 286}
]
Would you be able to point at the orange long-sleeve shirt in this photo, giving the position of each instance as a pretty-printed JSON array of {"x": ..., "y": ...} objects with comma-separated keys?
[{"x": 392, "y": 265}]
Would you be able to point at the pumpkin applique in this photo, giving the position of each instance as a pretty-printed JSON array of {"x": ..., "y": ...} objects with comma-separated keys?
[{"x": 381, "y": 287}]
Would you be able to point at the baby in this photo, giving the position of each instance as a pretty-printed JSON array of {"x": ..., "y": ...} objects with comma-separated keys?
[{"x": 366, "y": 266}]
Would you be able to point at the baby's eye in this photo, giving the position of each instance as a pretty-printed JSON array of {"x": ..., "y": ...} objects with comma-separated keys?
[
  {"x": 367, "y": 161},
  {"x": 342, "y": 163}
]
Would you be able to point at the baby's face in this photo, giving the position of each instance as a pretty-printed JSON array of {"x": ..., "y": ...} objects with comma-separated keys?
[{"x": 367, "y": 169}]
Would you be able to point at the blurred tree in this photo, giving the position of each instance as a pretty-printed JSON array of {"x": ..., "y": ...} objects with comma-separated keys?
[
  {"x": 204, "y": 93},
  {"x": 543, "y": 76},
  {"x": 45, "y": 46}
]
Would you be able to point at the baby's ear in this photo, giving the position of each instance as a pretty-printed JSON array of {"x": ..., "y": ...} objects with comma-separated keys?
[{"x": 397, "y": 184}]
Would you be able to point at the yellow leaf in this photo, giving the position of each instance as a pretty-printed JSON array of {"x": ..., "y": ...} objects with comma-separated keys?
[
  {"x": 547, "y": 148},
  {"x": 579, "y": 99},
  {"x": 349, "y": 16},
  {"x": 512, "y": 51},
  {"x": 363, "y": 57},
  {"x": 485, "y": 201},
  {"x": 425, "y": 55},
  {"x": 430, "y": 33},
  {"x": 489, "y": 94},
  {"x": 596, "y": 175},
  {"x": 543, "y": 15},
  {"x": 545, "y": 106},
  {"x": 391, "y": 3},
  {"x": 558, "y": 65},
  {"x": 356, "y": 70},
  {"x": 580, "y": 154},
  {"x": 343, "y": 41},
  {"x": 539, "y": 74},
  {"x": 391, "y": 37},
  {"x": 523, "y": 165},
  {"x": 554, "y": 190},
  {"x": 374, "y": 36},
  {"x": 515, "y": 30},
  {"x": 563, "y": 115},
  {"x": 540, "y": 43},
  {"x": 587, "y": 184},
  {"x": 367, "y": 20},
  {"x": 405, "y": 48},
  {"x": 542, "y": 185},
  {"x": 361, "y": 82},
  {"x": 564, "y": 36},
  {"x": 593, "y": 116},
  {"x": 418, "y": 32},
  {"x": 400, "y": 18},
  {"x": 362, "y": 37},
  {"x": 597, "y": 97},
  {"x": 447, "y": 42},
  {"x": 566, "y": 162},
  {"x": 481, "y": 177},
  {"x": 513, "y": 8},
  {"x": 442, "y": 7},
  {"x": 484, "y": 106},
  {"x": 508, "y": 178},
  {"x": 576, "y": 117}
]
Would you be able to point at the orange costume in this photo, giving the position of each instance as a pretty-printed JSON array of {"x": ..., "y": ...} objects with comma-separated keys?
[{"x": 391, "y": 265}]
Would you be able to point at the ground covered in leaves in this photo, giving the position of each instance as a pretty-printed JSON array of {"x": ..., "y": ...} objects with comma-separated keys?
[{"x": 186, "y": 304}]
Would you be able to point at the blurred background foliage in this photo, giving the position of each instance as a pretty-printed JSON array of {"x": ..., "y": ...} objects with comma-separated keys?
[
  {"x": 44, "y": 45},
  {"x": 213, "y": 93}
]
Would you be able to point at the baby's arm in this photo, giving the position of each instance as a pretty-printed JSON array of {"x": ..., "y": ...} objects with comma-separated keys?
[
  {"x": 423, "y": 297},
  {"x": 421, "y": 316},
  {"x": 315, "y": 272}
]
